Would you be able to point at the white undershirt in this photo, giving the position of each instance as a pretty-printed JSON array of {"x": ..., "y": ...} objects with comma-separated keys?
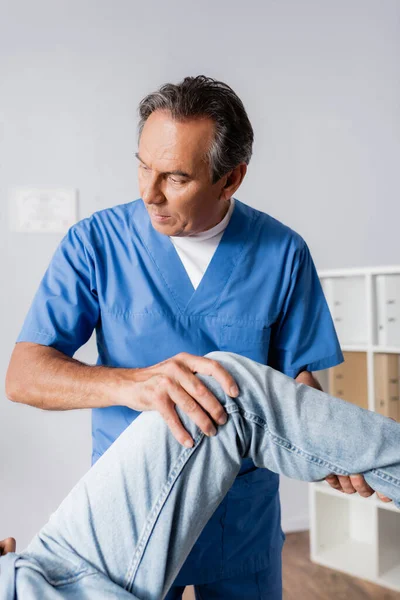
[{"x": 196, "y": 251}]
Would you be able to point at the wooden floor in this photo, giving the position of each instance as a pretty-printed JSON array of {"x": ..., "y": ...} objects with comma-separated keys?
[{"x": 302, "y": 580}]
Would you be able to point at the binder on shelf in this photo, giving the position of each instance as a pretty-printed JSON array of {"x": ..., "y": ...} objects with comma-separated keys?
[
  {"x": 349, "y": 380},
  {"x": 388, "y": 309},
  {"x": 363, "y": 538},
  {"x": 387, "y": 388},
  {"x": 346, "y": 297}
]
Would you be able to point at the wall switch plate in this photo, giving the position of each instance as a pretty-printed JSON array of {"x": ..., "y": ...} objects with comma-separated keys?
[{"x": 42, "y": 210}]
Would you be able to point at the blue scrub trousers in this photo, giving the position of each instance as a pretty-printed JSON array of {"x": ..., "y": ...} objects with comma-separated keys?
[
  {"x": 263, "y": 585},
  {"x": 128, "y": 526}
]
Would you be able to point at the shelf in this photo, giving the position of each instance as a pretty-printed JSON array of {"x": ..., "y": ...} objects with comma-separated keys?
[
  {"x": 391, "y": 578},
  {"x": 325, "y": 488},
  {"x": 361, "y": 271},
  {"x": 387, "y": 506},
  {"x": 344, "y": 536},
  {"x": 369, "y": 348},
  {"x": 352, "y": 348},
  {"x": 350, "y": 556},
  {"x": 388, "y": 546},
  {"x": 386, "y": 349},
  {"x": 349, "y": 533}
]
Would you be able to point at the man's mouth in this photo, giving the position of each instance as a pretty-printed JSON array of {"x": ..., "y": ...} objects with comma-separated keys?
[{"x": 160, "y": 217}]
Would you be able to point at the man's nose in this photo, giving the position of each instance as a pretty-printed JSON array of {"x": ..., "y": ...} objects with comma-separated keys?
[{"x": 152, "y": 193}]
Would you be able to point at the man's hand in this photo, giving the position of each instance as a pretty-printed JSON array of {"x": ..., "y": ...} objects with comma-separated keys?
[
  {"x": 173, "y": 383},
  {"x": 350, "y": 484},
  {"x": 7, "y": 545}
]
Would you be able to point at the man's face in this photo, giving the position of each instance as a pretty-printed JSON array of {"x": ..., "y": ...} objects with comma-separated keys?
[{"x": 174, "y": 177}]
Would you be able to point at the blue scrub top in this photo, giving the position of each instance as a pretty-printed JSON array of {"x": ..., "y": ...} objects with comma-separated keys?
[{"x": 260, "y": 297}]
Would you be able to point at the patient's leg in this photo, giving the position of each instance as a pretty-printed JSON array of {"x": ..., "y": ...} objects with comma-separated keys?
[{"x": 136, "y": 514}]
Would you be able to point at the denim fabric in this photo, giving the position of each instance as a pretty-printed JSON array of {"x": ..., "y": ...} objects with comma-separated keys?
[{"x": 127, "y": 527}]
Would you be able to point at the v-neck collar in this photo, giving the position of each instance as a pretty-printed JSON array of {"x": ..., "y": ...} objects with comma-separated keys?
[{"x": 166, "y": 259}]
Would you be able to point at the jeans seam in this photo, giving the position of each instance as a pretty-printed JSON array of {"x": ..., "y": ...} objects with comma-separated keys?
[
  {"x": 283, "y": 443},
  {"x": 277, "y": 440},
  {"x": 307, "y": 456},
  {"x": 386, "y": 477},
  {"x": 154, "y": 514}
]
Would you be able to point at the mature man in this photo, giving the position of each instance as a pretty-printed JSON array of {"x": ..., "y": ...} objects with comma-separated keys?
[{"x": 183, "y": 271}]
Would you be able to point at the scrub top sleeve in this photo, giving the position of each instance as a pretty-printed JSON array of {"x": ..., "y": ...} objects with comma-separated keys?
[
  {"x": 304, "y": 337},
  {"x": 65, "y": 309}
]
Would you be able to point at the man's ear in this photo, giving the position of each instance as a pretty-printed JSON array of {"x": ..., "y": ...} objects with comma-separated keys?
[
  {"x": 233, "y": 181},
  {"x": 229, "y": 180}
]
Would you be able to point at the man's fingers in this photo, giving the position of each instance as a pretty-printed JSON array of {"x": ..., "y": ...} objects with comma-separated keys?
[
  {"x": 208, "y": 366},
  {"x": 334, "y": 482},
  {"x": 206, "y": 399},
  {"x": 361, "y": 486},
  {"x": 166, "y": 404},
  {"x": 346, "y": 484},
  {"x": 190, "y": 406},
  {"x": 383, "y": 498},
  {"x": 7, "y": 545},
  {"x": 174, "y": 423},
  {"x": 350, "y": 484}
]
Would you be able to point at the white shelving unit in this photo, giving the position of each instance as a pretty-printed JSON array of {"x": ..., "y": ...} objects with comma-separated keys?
[{"x": 360, "y": 536}]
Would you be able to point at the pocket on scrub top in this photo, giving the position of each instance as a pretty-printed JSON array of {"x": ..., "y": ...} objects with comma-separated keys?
[{"x": 249, "y": 341}]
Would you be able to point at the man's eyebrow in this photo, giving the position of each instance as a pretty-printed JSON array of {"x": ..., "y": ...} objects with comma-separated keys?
[{"x": 177, "y": 172}]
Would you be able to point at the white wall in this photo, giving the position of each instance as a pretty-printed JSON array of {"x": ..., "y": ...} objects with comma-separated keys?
[{"x": 321, "y": 84}]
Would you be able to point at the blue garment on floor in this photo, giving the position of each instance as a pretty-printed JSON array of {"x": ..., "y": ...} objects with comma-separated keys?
[{"x": 260, "y": 297}]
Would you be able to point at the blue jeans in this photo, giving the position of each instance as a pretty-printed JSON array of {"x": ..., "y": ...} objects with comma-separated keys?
[{"x": 127, "y": 527}]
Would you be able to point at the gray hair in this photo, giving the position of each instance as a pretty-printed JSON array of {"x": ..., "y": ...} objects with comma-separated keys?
[{"x": 203, "y": 96}]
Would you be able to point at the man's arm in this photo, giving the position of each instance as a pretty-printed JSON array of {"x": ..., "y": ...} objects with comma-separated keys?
[
  {"x": 64, "y": 313},
  {"x": 348, "y": 484},
  {"x": 44, "y": 377}
]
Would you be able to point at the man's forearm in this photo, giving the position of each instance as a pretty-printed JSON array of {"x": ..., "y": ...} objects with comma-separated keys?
[{"x": 46, "y": 378}]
